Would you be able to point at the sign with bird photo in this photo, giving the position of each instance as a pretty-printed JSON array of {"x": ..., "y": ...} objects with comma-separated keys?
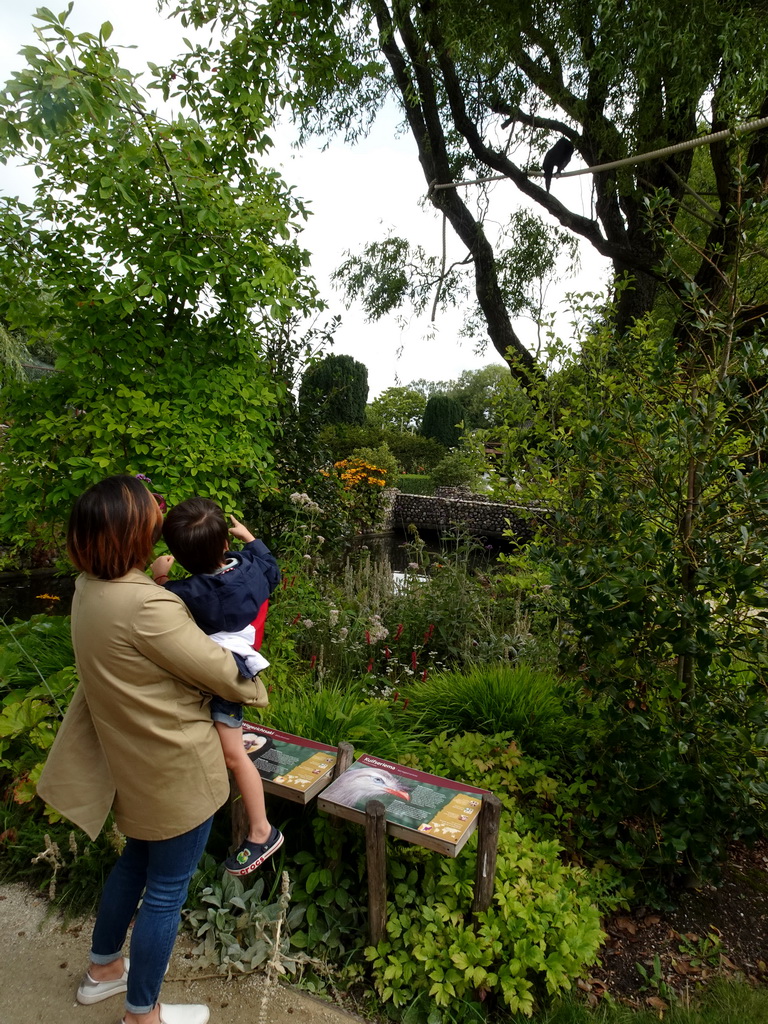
[
  {"x": 424, "y": 809},
  {"x": 290, "y": 766}
]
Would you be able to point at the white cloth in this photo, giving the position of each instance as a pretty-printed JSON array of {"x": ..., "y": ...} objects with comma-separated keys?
[{"x": 241, "y": 643}]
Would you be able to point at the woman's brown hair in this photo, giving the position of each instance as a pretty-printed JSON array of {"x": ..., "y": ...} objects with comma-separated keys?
[{"x": 113, "y": 528}]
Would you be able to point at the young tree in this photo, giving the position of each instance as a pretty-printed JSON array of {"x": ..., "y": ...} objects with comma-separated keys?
[
  {"x": 653, "y": 474},
  {"x": 482, "y": 392},
  {"x": 397, "y": 408},
  {"x": 334, "y": 390},
  {"x": 164, "y": 252},
  {"x": 442, "y": 417}
]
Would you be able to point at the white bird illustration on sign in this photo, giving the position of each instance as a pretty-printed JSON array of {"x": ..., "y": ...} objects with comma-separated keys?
[{"x": 356, "y": 787}]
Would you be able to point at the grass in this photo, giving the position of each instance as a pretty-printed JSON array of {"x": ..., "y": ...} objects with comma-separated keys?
[
  {"x": 343, "y": 712},
  {"x": 723, "y": 1002}
]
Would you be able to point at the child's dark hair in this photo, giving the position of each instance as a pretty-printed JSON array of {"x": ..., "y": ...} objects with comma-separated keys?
[{"x": 196, "y": 534}]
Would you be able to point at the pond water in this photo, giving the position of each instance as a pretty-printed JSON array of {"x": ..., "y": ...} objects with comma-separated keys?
[
  {"x": 23, "y": 595},
  {"x": 399, "y": 550}
]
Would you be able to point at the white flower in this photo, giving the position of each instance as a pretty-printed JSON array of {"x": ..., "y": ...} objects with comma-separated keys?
[
  {"x": 343, "y": 632},
  {"x": 413, "y": 565},
  {"x": 320, "y": 540},
  {"x": 308, "y": 557},
  {"x": 307, "y": 623},
  {"x": 333, "y": 616}
]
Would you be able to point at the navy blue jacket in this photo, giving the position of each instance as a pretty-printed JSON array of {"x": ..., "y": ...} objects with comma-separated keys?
[{"x": 231, "y": 600}]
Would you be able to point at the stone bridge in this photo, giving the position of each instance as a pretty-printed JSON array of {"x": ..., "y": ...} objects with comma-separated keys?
[{"x": 451, "y": 507}]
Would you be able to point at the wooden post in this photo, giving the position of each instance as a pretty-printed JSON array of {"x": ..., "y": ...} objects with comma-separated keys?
[
  {"x": 487, "y": 845},
  {"x": 344, "y": 759},
  {"x": 376, "y": 859}
]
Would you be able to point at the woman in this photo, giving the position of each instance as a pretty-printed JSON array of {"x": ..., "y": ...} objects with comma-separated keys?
[{"x": 138, "y": 739}]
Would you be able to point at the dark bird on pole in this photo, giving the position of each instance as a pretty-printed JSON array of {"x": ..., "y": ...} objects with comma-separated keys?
[{"x": 557, "y": 159}]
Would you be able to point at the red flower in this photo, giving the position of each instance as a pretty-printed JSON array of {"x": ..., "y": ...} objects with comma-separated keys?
[
  {"x": 313, "y": 661},
  {"x": 396, "y": 696},
  {"x": 296, "y": 620},
  {"x": 367, "y": 637},
  {"x": 370, "y": 665},
  {"x": 399, "y": 632},
  {"x": 387, "y": 653},
  {"x": 424, "y": 676},
  {"x": 405, "y": 703},
  {"x": 413, "y": 660}
]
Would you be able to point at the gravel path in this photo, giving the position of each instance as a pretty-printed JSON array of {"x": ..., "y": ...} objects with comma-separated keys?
[{"x": 43, "y": 959}]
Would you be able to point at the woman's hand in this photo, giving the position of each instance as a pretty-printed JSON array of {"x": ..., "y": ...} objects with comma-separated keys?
[
  {"x": 160, "y": 569},
  {"x": 241, "y": 532}
]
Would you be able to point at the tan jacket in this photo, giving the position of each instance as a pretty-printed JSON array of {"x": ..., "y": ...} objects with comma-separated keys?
[{"x": 138, "y": 735}]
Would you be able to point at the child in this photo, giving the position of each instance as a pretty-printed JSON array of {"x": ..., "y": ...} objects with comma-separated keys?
[{"x": 227, "y": 595}]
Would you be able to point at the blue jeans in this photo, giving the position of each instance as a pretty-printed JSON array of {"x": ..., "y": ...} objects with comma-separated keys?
[{"x": 161, "y": 870}]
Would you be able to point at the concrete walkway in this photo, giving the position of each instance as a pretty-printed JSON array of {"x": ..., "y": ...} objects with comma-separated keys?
[{"x": 42, "y": 961}]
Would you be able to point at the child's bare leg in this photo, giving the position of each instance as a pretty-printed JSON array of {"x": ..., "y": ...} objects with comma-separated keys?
[{"x": 248, "y": 780}]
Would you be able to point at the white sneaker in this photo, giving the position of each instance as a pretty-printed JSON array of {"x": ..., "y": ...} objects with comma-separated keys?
[
  {"x": 184, "y": 1013},
  {"x": 91, "y": 991}
]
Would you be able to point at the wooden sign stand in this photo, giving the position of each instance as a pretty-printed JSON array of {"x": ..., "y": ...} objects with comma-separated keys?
[
  {"x": 376, "y": 848},
  {"x": 487, "y": 847},
  {"x": 376, "y": 859},
  {"x": 376, "y": 863}
]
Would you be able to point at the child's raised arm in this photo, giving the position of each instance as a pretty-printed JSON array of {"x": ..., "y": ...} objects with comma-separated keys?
[{"x": 240, "y": 532}]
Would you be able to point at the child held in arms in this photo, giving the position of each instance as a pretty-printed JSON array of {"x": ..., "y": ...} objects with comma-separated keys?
[{"x": 227, "y": 595}]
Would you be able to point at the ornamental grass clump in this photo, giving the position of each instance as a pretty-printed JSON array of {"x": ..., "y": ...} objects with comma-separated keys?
[
  {"x": 343, "y": 712},
  {"x": 532, "y": 704}
]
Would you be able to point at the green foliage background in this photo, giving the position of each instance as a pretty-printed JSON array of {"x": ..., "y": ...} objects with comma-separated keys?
[{"x": 154, "y": 257}]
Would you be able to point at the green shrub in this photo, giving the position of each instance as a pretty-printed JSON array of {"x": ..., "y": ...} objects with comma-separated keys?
[
  {"x": 54, "y": 856},
  {"x": 414, "y": 453},
  {"x": 450, "y": 613},
  {"x": 540, "y": 932},
  {"x": 380, "y": 457},
  {"x": 671, "y": 790},
  {"x": 533, "y": 704},
  {"x": 411, "y": 483},
  {"x": 37, "y": 680},
  {"x": 457, "y": 469},
  {"x": 446, "y": 613}
]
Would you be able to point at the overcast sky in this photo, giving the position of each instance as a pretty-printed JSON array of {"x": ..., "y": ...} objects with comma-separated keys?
[{"x": 356, "y": 194}]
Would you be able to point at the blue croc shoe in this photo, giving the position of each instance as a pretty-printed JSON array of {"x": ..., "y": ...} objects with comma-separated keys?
[{"x": 250, "y": 856}]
